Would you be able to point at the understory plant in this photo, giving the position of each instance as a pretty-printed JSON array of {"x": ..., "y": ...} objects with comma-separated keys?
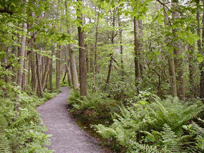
[
  {"x": 21, "y": 128},
  {"x": 94, "y": 105},
  {"x": 153, "y": 126}
]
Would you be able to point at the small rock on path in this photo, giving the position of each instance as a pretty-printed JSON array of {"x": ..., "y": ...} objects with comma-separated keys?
[{"x": 68, "y": 137}]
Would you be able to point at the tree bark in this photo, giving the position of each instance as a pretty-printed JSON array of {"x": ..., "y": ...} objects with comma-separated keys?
[
  {"x": 111, "y": 54},
  {"x": 192, "y": 68},
  {"x": 22, "y": 53},
  {"x": 121, "y": 47},
  {"x": 137, "y": 54},
  {"x": 177, "y": 60},
  {"x": 202, "y": 63},
  {"x": 172, "y": 73},
  {"x": 73, "y": 65},
  {"x": 58, "y": 54},
  {"x": 50, "y": 74},
  {"x": 82, "y": 57},
  {"x": 40, "y": 87}
]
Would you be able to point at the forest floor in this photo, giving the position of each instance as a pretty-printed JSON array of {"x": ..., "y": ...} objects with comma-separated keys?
[{"x": 68, "y": 137}]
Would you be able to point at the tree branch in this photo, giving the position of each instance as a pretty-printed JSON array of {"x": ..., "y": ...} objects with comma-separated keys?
[{"x": 6, "y": 11}]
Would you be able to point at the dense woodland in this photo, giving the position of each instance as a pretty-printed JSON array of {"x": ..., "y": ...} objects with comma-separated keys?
[{"x": 136, "y": 69}]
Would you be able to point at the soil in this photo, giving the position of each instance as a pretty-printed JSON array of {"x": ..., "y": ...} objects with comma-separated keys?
[{"x": 68, "y": 137}]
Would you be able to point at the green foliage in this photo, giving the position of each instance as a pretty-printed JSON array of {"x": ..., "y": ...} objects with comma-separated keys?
[
  {"x": 157, "y": 123},
  {"x": 94, "y": 104},
  {"x": 21, "y": 127},
  {"x": 197, "y": 131}
]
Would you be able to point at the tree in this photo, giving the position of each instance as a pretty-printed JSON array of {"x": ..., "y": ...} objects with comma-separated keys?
[{"x": 82, "y": 57}]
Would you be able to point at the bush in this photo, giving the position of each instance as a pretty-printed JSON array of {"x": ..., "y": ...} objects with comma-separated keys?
[
  {"x": 156, "y": 126},
  {"x": 21, "y": 127}
]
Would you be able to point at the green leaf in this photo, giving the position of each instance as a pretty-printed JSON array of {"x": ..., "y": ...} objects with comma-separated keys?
[{"x": 200, "y": 59}]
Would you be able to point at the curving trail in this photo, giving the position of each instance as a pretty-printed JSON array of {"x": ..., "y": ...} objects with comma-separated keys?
[{"x": 67, "y": 136}]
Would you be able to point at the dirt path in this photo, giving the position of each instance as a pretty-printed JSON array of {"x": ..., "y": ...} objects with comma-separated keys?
[{"x": 67, "y": 136}]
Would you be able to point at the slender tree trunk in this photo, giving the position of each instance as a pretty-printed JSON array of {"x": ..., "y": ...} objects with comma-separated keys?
[
  {"x": 40, "y": 87},
  {"x": 73, "y": 65},
  {"x": 111, "y": 54},
  {"x": 177, "y": 60},
  {"x": 172, "y": 73},
  {"x": 22, "y": 53},
  {"x": 82, "y": 57},
  {"x": 192, "y": 69},
  {"x": 73, "y": 69},
  {"x": 202, "y": 63},
  {"x": 14, "y": 77},
  {"x": 58, "y": 54},
  {"x": 95, "y": 44},
  {"x": 137, "y": 54},
  {"x": 50, "y": 74},
  {"x": 45, "y": 74},
  {"x": 121, "y": 47}
]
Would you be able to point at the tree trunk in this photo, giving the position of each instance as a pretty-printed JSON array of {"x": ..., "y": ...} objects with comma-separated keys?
[
  {"x": 40, "y": 87},
  {"x": 58, "y": 55},
  {"x": 111, "y": 54},
  {"x": 45, "y": 74},
  {"x": 137, "y": 54},
  {"x": 82, "y": 57},
  {"x": 50, "y": 74},
  {"x": 192, "y": 68},
  {"x": 73, "y": 69},
  {"x": 172, "y": 73},
  {"x": 121, "y": 47},
  {"x": 177, "y": 60},
  {"x": 22, "y": 53},
  {"x": 202, "y": 63},
  {"x": 73, "y": 65}
]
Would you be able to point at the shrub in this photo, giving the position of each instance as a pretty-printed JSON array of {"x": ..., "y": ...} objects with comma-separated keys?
[{"x": 159, "y": 123}]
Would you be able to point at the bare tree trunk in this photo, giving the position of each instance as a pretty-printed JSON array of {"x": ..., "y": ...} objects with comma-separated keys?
[
  {"x": 177, "y": 60},
  {"x": 202, "y": 63},
  {"x": 73, "y": 65},
  {"x": 137, "y": 54},
  {"x": 95, "y": 44},
  {"x": 82, "y": 57},
  {"x": 50, "y": 74},
  {"x": 14, "y": 77},
  {"x": 192, "y": 69},
  {"x": 111, "y": 54},
  {"x": 172, "y": 73},
  {"x": 121, "y": 47},
  {"x": 58, "y": 55},
  {"x": 73, "y": 69},
  {"x": 45, "y": 74},
  {"x": 40, "y": 87},
  {"x": 22, "y": 53}
]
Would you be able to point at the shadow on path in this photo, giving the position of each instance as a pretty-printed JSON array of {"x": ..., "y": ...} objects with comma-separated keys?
[{"x": 67, "y": 136}]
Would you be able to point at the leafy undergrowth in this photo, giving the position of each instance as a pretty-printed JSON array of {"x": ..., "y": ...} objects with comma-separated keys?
[
  {"x": 144, "y": 123},
  {"x": 94, "y": 109},
  {"x": 21, "y": 128}
]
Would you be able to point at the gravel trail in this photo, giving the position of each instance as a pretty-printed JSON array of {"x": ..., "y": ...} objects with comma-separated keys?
[{"x": 68, "y": 137}]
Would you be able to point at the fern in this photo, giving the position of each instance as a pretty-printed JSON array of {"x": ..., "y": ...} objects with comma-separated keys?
[
  {"x": 170, "y": 139},
  {"x": 4, "y": 142}
]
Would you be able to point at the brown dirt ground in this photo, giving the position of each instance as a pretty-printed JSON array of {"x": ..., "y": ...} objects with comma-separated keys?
[{"x": 68, "y": 137}]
